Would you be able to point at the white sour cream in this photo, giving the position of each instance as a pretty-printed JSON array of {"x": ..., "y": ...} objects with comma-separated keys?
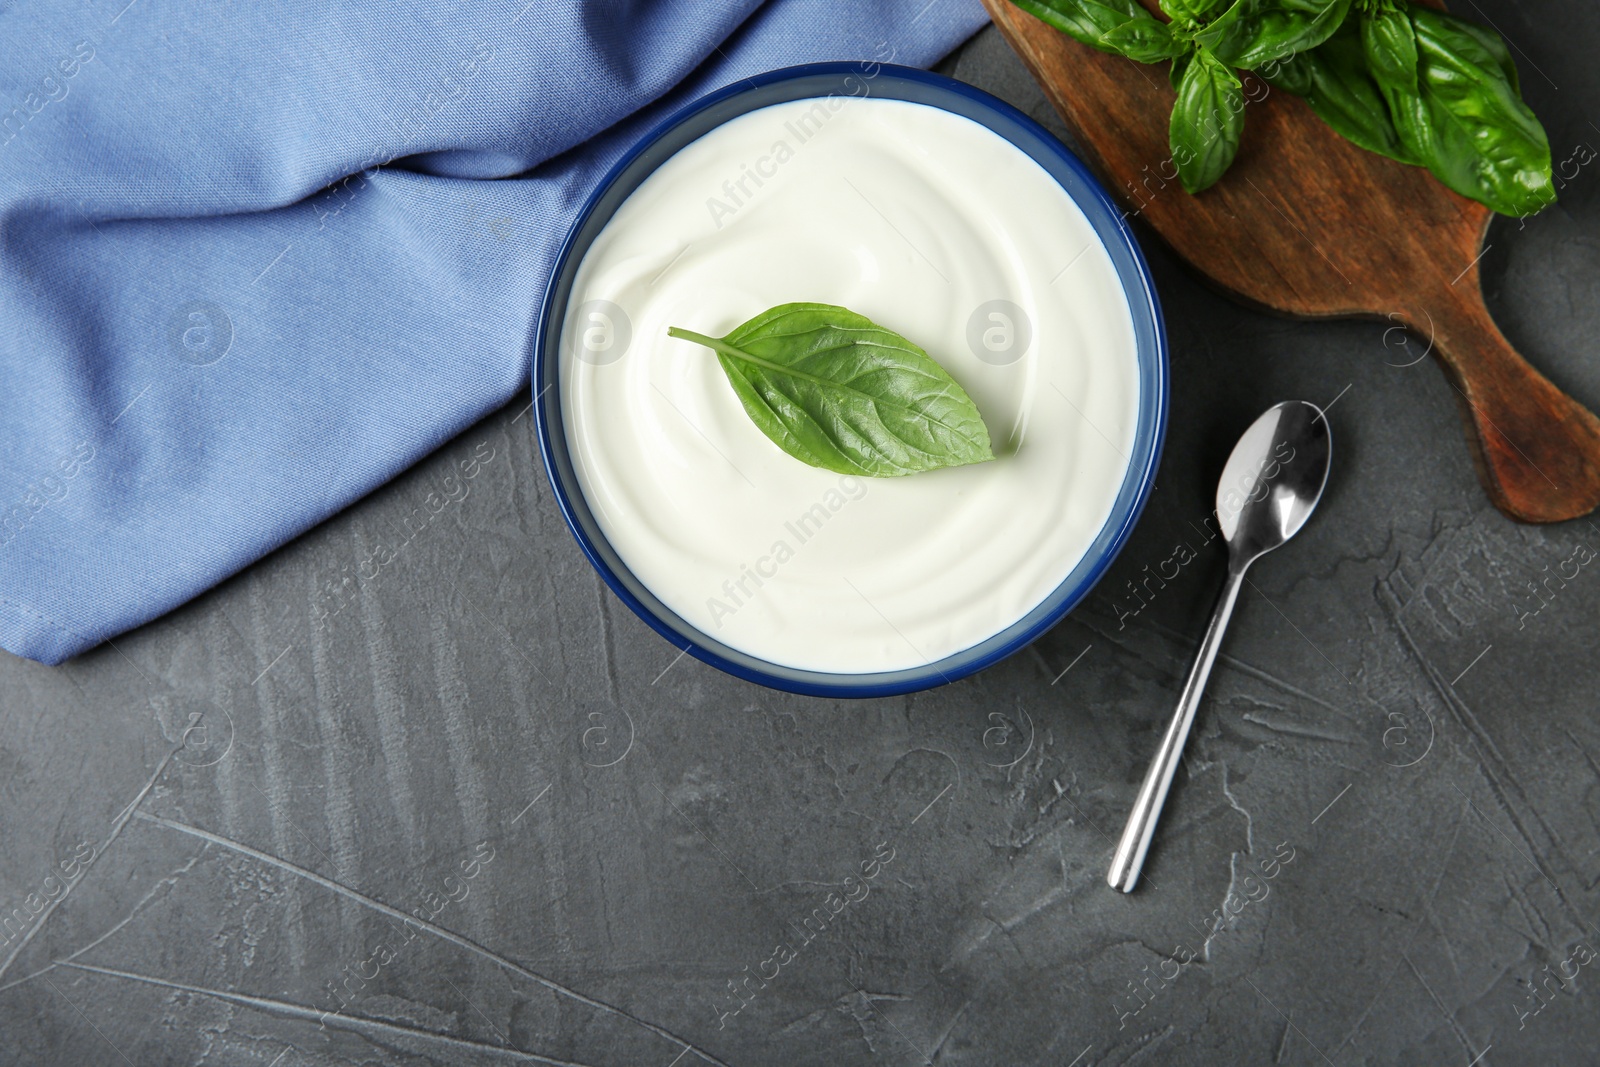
[{"x": 918, "y": 219}]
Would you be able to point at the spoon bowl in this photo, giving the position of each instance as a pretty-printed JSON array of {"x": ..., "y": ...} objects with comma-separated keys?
[{"x": 1273, "y": 478}]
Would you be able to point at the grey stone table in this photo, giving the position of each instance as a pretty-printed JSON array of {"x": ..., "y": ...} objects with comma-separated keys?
[{"x": 460, "y": 806}]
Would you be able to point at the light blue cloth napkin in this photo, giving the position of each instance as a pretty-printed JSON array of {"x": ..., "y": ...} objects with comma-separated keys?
[{"x": 211, "y": 340}]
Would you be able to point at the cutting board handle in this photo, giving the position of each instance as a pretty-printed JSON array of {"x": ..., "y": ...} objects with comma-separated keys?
[{"x": 1537, "y": 450}]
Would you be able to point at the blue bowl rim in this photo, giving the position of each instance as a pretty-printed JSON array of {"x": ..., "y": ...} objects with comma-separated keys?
[{"x": 1109, "y": 224}]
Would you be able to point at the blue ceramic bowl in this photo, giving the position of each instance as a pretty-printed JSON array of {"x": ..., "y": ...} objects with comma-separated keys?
[{"x": 893, "y": 83}]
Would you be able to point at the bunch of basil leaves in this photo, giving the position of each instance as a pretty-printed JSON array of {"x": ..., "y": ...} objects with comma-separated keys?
[{"x": 1408, "y": 82}]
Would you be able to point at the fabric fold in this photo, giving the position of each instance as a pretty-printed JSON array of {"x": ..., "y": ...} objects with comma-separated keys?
[{"x": 257, "y": 261}]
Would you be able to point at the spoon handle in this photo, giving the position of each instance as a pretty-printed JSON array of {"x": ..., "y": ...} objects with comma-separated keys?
[{"x": 1129, "y": 858}]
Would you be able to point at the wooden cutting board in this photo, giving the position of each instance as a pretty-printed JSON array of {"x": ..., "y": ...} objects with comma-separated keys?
[{"x": 1307, "y": 224}]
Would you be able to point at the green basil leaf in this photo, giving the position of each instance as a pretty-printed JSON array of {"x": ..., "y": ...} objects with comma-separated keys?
[
  {"x": 1253, "y": 32},
  {"x": 1485, "y": 142},
  {"x": 1493, "y": 47},
  {"x": 1292, "y": 75},
  {"x": 1207, "y": 119},
  {"x": 1187, "y": 10},
  {"x": 1390, "y": 45},
  {"x": 1086, "y": 21},
  {"x": 1345, "y": 95},
  {"x": 1180, "y": 65},
  {"x": 1192, "y": 12},
  {"x": 1412, "y": 118},
  {"x": 837, "y": 391},
  {"x": 1146, "y": 40}
]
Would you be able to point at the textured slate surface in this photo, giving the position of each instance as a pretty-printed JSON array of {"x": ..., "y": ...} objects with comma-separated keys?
[{"x": 430, "y": 707}]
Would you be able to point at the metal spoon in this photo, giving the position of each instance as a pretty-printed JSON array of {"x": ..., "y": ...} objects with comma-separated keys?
[{"x": 1270, "y": 486}]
